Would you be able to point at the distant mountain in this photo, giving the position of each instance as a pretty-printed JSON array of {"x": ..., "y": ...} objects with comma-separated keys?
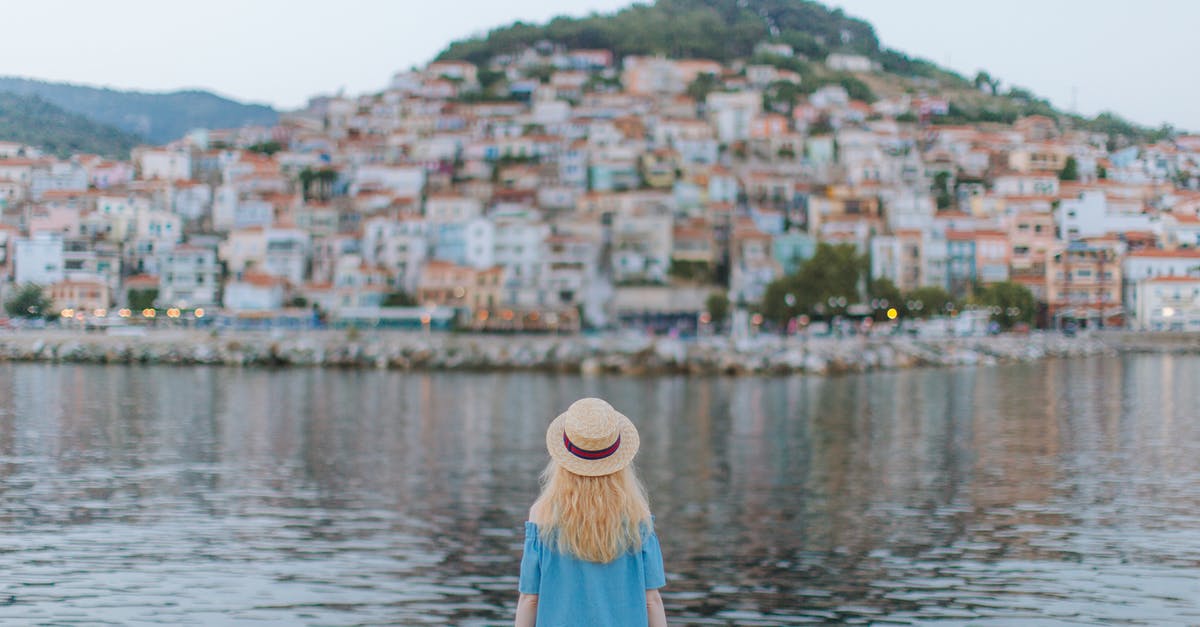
[
  {"x": 157, "y": 117},
  {"x": 34, "y": 121},
  {"x": 725, "y": 30}
]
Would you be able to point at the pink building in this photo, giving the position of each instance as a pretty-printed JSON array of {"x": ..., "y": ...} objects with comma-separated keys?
[
  {"x": 106, "y": 174},
  {"x": 61, "y": 220}
]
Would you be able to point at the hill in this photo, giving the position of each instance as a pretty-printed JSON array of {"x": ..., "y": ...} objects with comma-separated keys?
[
  {"x": 157, "y": 117},
  {"x": 726, "y": 30},
  {"x": 34, "y": 121}
]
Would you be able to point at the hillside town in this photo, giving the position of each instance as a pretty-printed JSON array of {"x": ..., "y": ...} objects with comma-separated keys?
[{"x": 599, "y": 192}]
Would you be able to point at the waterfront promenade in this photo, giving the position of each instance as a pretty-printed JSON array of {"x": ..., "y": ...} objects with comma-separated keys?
[{"x": 612, "y": 353}]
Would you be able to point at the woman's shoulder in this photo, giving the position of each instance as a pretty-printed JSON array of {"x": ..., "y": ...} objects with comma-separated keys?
[{"x": 531, "y": 523}]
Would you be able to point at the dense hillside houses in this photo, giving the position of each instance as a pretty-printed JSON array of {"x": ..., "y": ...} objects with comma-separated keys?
[{"x": 567, "y": 187}]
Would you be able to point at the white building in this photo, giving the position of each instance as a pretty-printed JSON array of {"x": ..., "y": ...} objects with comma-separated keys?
[
  {"x": 154, "y": 233},
  {"x": 399, "y": 246},
  {"x": 39, "y": 259},
  {"x": 1026, "y": 185},
  {"x": 255, "y": 292},
  {"x": 441, "y": 208},
  {"x": 732, "y": 113},
  {"x": 1092, "y": 215},
  {"x": 518, "y": 238},
  {"x": 192, "y": 201},
  {"x": 163, "y": 163},
  {"x": 188, "y": 277},
  {"x": 400, "y": 180},
  {"x": 840, "y": 62},
  {"x": 1143, "y": 265},
  {"x": 275, "y": 252},
  {"x": 641, "y": 246},
  {"x": 61, "y": 175},
  {"x": 1168, "y": 304}
]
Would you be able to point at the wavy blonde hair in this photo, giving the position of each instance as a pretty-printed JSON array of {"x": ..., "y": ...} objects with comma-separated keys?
[{"x": 593, "y": 518}]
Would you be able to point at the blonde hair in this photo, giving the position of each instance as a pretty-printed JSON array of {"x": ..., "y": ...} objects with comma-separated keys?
[{"x": 593, "y": 518}]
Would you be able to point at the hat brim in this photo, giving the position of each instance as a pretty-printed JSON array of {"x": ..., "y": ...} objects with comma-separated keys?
[{"x": 630, "y": 441}]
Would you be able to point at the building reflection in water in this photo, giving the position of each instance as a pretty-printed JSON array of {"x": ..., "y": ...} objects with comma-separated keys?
[{"x": 914, "y": 495}]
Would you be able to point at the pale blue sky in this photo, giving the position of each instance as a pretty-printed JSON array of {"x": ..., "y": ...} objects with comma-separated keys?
[{"x": 1136, "y": 58}]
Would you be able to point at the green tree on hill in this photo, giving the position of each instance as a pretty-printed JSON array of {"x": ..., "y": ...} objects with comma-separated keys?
[
  {"x": 1070, "y": 171},
  {"x": 722, "y": 30},
  {"x": 35, "y": 121},
  {"x": 704, "y": 85}
]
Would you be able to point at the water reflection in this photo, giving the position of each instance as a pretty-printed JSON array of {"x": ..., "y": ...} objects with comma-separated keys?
[{"x": 1061, "y": 492}]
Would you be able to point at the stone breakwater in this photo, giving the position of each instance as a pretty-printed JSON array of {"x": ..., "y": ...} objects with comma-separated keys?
[{"x": 569, "y": 354}]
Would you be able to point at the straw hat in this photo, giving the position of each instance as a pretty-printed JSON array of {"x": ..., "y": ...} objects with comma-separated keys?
[{"x": 592, "y": 439}]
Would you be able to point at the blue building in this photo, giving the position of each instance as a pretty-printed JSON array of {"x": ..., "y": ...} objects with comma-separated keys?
[{"x": 961, "y": 270}]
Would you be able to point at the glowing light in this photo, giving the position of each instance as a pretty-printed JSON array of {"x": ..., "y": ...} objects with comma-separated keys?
[
  {"x": 124, "y": 313},
  {"x": 892, "y": 314},
  {"x": 507, "y": 314},
  {"x": 68, "y": 313},
  {"x": 199, "y": 313},
  {"x": 173, "y": 312},
  {"x": 149, "y": 313},
  {"x": 99, "y": 313},
  {"x": 756, "y": 319},
  {"x": 1168, "y": 312},
  {"x": 482, "y": 315}
]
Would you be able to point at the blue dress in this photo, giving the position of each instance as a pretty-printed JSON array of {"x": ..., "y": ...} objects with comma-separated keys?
[{"x": 574, "y": 592}]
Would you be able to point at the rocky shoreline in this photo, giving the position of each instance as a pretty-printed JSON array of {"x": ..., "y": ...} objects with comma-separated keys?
[{"x": 618, "y": 354}]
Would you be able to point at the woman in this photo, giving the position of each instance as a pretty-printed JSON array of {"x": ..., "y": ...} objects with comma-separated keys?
[{"x": 591, "y": 555}]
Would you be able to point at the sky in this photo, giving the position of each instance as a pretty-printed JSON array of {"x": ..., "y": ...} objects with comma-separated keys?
[{"x": 1133, "y": 57}]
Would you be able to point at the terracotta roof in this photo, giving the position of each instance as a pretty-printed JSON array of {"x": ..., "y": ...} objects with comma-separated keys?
[
  {"x": 141, "y": 279},
  {"x": 1158, "y": 253},
  {"x": 1173, "y": 279},
  {"x": 262, "y": 280}
]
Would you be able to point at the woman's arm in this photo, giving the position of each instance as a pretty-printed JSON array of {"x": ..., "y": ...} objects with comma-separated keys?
[
  {"x": 655, "y": 610},
  {"x": 527, "y": 610}
]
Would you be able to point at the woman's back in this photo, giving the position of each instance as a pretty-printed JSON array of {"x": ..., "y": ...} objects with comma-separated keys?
[{"x": 573, "y": 591}]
